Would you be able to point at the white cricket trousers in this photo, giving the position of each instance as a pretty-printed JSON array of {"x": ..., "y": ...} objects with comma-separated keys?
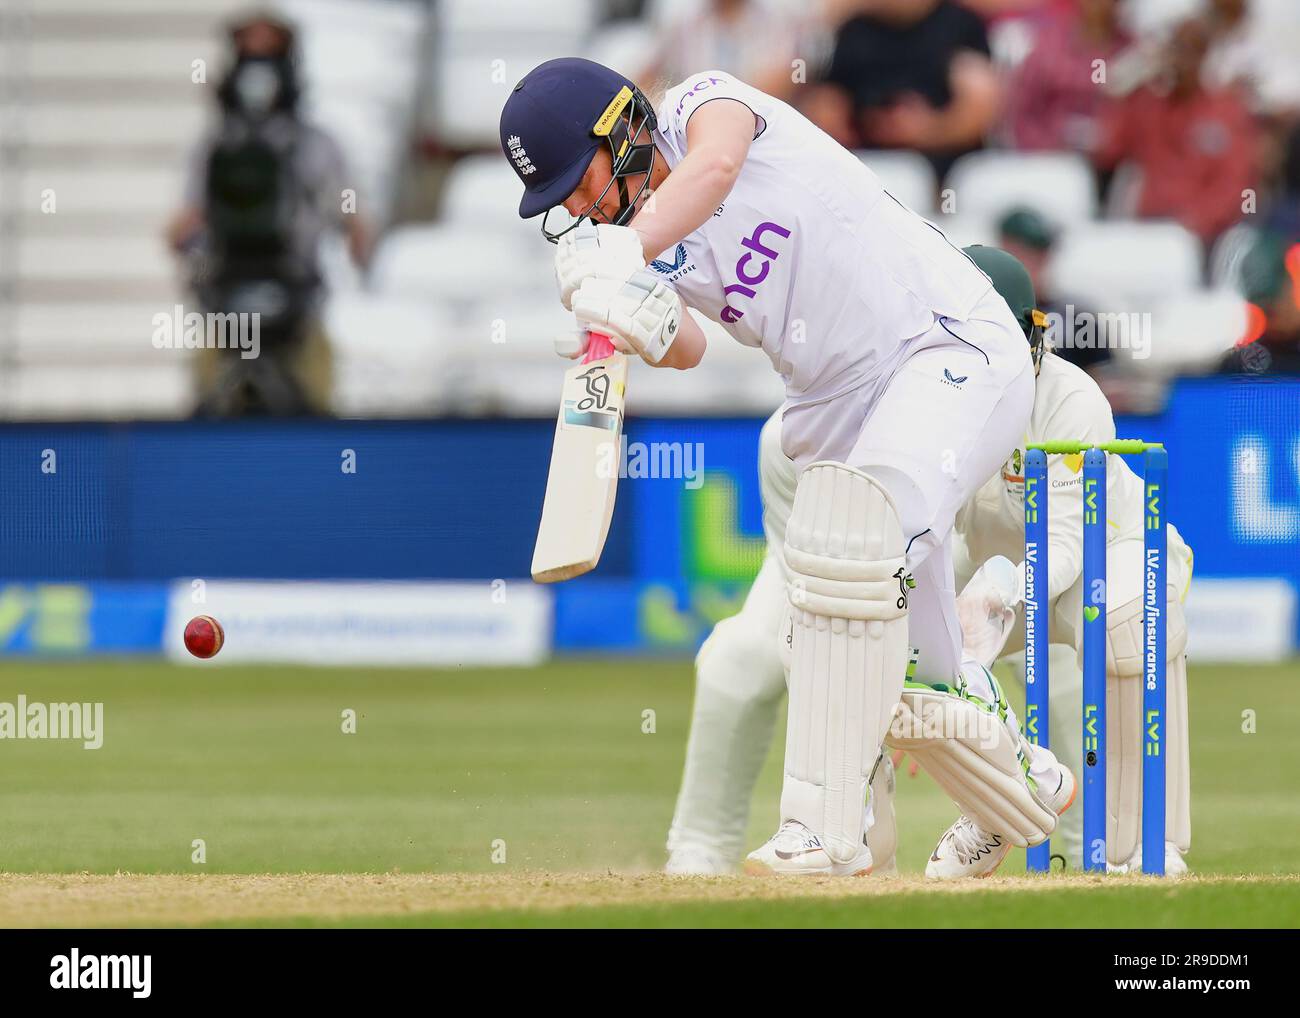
[{"x": 932, "y": 433}]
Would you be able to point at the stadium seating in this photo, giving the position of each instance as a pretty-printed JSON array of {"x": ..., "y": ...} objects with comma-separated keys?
[
  {"x": 457, "y": 264},
  {"x": 1122, "y": 266},
  {"x": 482, "y": 191},
  {"x": 1058, "y": 185},
  {"x": 361, "y": 69},
  {"x": 1191, "y": 333},
  {"x": 625, "y": 44},
  {"x": 99, "y": 112},
  {"x": 102, "y": 121},
  {"x": 391, "y": 356},
  {"x": 480, "y": 48},
  {"x": 908, "y": 176}
]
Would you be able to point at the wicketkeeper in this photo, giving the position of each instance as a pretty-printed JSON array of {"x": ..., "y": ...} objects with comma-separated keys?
[{"x": 990, "y": 528}]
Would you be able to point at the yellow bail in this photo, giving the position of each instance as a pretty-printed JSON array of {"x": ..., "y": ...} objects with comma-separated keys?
[
  {"x": 1039, "y": 318},
  {"x": 606, "y": 122}
]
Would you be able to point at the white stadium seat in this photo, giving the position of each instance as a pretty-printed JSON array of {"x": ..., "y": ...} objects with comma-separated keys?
[
  {"x": 163, "y": 387},
  {"x": 64, "y": 331},
  {"x": 79, "y": 190},
  {"x": 361, "y": 67},
  {"x": 908, "y": 176},
  {"x": 505, "y": 360},
  {"x": 493, "y": 17},
  {"x": 118, "y": 125},
  {"x": 1058, "y": 185},
  {"x": 456, "y": 264},
  {"x": 1154, "y": 16},
  {"x": 390, "y": 355},
  {"x": 73, "y": 258},
  {"x": 483, "y": 190},
  {"x": 160, "y": 61},
  {"x": 664, "y": 12},
  {"x": 469, "y": 93},
  {"x": 1192, "y": 332},
  {"x": 481, "y": 48},
  {"x": 521, "y": 374},
  {"x": 1126, "y": 266},
  {"x": 390, "y": 19},
  {"x": 627, "y": 44}
]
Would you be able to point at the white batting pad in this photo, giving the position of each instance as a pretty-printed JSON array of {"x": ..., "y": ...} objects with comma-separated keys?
[
  {"x": 848, "y": 592},
  {"x": 973, "y": 756}
]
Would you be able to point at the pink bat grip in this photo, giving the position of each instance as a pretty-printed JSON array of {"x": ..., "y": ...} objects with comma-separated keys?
[{"x": 599, "y": 346}]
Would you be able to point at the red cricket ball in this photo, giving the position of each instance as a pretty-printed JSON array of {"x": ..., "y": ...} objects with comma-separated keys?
[{"x": 204, "y": 636}]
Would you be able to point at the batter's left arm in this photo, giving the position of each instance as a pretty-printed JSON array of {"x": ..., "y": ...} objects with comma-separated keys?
[{"x": 718, "y": 137}]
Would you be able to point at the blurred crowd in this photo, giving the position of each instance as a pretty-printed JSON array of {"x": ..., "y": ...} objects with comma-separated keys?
[
  {"x": 1195, "y": 119},
  {"x": 1202, "y": 108},
  {"x": 1192, "y": 116}
]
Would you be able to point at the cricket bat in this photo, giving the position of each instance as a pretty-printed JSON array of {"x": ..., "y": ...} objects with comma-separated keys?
[{"x": 583, "y": 478}]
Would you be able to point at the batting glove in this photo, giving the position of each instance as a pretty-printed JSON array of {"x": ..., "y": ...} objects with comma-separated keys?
[
  {"x": 641, "y": 313},
  {"x": 595, "y": 251}
]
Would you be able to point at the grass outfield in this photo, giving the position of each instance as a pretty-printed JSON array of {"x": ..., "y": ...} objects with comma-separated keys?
[{"x": 551, "y": 768}]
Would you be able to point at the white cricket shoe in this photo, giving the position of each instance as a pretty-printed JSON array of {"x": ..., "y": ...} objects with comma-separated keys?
[
  {"x": 794, "y": 850},
  {"x": 966, "y": 850},
  {"x": 697, "y": 861},
  {"x": 1175, "y": 864}
]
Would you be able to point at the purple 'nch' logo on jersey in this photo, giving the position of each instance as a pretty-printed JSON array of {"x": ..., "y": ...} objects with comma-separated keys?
[{"x": 749, "y": 279}]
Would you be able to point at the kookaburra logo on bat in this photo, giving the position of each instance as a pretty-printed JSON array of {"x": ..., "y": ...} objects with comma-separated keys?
[{"x": 597, "y": 382}]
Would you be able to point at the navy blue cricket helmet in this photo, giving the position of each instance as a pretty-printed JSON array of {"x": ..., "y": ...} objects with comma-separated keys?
[{"x": 555, "y": 121}]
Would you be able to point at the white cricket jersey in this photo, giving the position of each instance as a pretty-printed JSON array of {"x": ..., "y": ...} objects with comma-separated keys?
[
  {"x": 808, "y": 257},
  {"x": 1068, "y": 405}
]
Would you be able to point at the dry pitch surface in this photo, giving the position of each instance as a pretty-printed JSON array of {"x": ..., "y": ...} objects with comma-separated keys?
[{"x": 543, "y": 899}]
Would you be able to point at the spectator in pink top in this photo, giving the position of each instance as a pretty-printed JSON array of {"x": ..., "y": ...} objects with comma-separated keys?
[
  {"x": 1195, "y": 147},
  {"x": 1057, "y": 94}
]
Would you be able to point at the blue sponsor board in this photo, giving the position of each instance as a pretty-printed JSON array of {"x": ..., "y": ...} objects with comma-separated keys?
[
  {"x": 1233, "y": 492},
  {"x": 92, "y": 509},
  {"x": 73, "y": 619},
  {"x": 281, "y": 500},
  {"x": 1234, "y": 473}
]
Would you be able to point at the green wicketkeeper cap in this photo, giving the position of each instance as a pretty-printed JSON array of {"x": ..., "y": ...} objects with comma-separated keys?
[{"x": 1011, "y": 279}]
